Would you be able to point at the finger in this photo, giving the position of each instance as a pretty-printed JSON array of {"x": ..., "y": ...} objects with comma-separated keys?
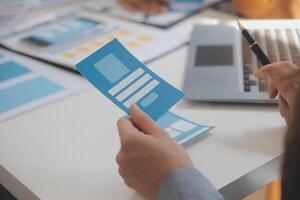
[
  {"x": 121, "y": 172},
  {"x": 127, "y": 180},
  {"x": 126, "y": 128},
  {"x": 153, "y": 9},
  {"x": 120, "y": 157},
  {"x": 144, "y": 122},
  {"x": 273, "y": 92},
  {"x": 283, "y": 108},
  {"x": 289, "y": 93},
  {"x": 154, "y": 6},
  {"x": 132, "y": 5},
  {"x": 265, "y": 71},
  {"x": 130, "y": 183},
  {"x": 127, "y": 4},
  {"x": 139, "y": 4},
  {"x": 157, "y": 1},
  {"x": 165, "y": 1}
]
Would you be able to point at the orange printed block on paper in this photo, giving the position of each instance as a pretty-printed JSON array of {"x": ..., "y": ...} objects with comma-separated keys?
[
  {"x": 83, "y": 49},
  {"x": 145, "y": 38},
  {"x": 132, "y": 44},
  {"x": 68, "y": 54},
  {"x": 123, "y": 32}
]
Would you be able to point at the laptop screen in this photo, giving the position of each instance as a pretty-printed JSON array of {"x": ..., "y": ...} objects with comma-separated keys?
[{"x": 214, "y": 56}]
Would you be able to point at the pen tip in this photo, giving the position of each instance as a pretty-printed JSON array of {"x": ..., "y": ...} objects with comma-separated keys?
[{"x": 240, "y": 26}]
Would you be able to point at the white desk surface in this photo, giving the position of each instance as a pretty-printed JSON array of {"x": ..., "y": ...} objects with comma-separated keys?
[{"x": 67, "y": 150}]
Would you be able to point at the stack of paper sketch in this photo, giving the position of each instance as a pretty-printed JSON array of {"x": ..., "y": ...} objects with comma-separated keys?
[
  {"x": 26, "y": 84},
  {"x": 72, "y": 37}
]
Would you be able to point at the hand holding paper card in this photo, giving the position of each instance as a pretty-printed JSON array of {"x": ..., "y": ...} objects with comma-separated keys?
[{"x": 126, "y": 81}]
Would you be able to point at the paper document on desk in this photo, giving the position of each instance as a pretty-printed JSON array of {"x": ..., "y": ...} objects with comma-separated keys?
[
  {"x": 26, "y": 84},
  {"x": 71, "y": 37},
  {"x": 12, "y": 12},
  {"x": 181, "y": 129},
  {"x": 125, "y": 81},
  {"x": 176, "y": 11}
]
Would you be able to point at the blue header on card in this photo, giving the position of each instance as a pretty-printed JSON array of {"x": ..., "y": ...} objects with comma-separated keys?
[{"x": 125, "y": 80}]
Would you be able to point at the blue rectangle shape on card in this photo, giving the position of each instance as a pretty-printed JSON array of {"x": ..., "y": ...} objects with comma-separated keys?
[
  {"x": 182, "y": 130},
  {"x": 26, "y": 92},
  {"x": 11, "y": 69},
  {"x": 122, "y": 78},
  {"x": 54, "y": 33},
  {"x": 115, "y": 71}
]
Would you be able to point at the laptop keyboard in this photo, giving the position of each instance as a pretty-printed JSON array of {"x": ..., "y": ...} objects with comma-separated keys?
[{"x": 279, "y": 45}]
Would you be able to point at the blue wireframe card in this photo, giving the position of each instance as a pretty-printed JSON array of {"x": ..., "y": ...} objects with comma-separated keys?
[
  {"x": 180, "y": 129},
  {"x": 122, "y": 78}
]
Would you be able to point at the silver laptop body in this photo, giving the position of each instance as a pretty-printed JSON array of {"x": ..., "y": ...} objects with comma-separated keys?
[{"x": 220, "y": 64}]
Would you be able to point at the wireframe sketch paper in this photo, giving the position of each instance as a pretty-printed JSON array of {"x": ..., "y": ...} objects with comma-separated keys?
[
  {"x": 12, "y": 12},
  {"x": 123, "y": 79},
  {"x": 181, "y": 129},
  {"x": 70, "y": 37},
  {"x": 26, "y": 84}
]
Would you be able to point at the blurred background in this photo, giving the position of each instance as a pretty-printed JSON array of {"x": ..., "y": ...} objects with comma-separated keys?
[
  {"x": 262, "y": 9},
  {"x": 252, "y": 9}
]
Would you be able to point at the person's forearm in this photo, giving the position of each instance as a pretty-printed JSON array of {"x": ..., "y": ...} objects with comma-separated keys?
[{"x": 187, "y": 184}]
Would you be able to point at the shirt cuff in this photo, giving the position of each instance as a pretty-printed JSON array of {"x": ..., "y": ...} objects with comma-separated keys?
[{"x": 187, "y": 184}]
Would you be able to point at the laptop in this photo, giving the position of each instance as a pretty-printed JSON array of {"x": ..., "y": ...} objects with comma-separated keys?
[{"x": 220, "y": 64}]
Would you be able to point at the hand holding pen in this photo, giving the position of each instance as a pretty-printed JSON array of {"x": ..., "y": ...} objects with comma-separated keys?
[
  {"x": 147, "y": 6},
  {"x": 285, "y": 77},
  {"x": 285, "y": 80}
]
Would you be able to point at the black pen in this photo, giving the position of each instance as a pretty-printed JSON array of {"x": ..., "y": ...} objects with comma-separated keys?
[{"x": 254, "y": 46}]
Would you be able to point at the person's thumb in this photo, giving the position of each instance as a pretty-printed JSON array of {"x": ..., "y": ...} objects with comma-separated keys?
[{"x": 143, "y": 122}]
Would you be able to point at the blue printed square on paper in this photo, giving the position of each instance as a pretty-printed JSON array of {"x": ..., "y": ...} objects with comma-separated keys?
[
  {"x": 111, "y": 68},
  {"x": 122, "y": 78},
  {"x": 26, "y": 92},
  {"x": 12, "y": 69},
  {"x": 54, "y": 33}
]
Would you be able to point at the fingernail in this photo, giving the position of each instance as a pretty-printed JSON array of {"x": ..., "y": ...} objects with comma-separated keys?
[
  {"x": 134, "y": 108},
  {"x": 137, "y": 109}
]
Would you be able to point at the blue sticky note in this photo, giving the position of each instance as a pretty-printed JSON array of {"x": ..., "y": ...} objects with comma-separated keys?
[
  {"x": 122, "y": 78},
  {"x": 11, "y": 69},
  {"x": 182, "y": 130}
]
